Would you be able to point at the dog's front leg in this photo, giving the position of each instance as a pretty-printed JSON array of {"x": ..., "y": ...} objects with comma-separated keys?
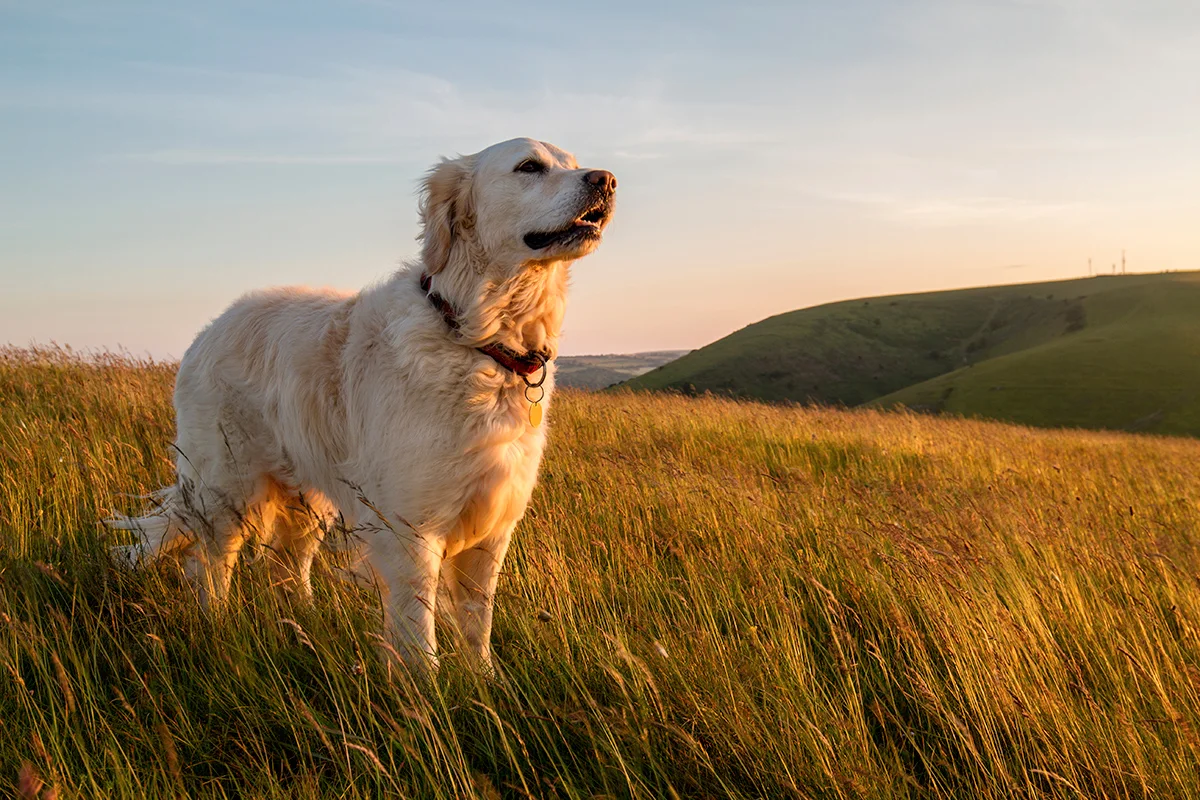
[
  {"x": 407, "y": 566},
  {"x": 471, "y": 577}
]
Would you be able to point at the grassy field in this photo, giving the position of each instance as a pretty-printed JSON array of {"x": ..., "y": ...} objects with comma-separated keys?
[
  {"x": 707, "y": 599},
  {"x": 1117, "y": 352}
]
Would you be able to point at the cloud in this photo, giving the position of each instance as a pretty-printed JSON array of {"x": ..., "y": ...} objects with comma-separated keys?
[
  {"x": 360, "y": 113},
  {"x": 211, "y": 157},
  {"x": 950, "y": 211}
]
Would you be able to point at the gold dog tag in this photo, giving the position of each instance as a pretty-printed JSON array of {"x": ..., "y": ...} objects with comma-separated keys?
[{"x": 535, "y": 404}]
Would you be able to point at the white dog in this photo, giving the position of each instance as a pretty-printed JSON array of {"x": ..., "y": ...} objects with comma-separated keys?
[{"x": 411, "y": 410}]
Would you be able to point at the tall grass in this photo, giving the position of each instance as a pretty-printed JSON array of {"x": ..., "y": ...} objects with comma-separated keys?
[{"x": 706, "y": 599}]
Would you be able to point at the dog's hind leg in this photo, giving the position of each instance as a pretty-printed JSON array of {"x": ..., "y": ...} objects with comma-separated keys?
[
  {"x": 216, "y": 553},
  {"x": 222, "y": 518},
  {"x": 301, "y": 522},
  {"x": 293, "y": 551}
]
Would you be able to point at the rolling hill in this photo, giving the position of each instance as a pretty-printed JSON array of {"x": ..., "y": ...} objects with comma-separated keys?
[{"x": 1119, "y": 352}]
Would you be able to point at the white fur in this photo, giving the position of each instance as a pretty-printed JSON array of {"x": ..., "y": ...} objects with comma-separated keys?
[{"x": 296, "y": 406}]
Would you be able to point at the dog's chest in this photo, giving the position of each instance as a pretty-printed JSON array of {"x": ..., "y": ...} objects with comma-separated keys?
[{"x": 496, "y": 482}]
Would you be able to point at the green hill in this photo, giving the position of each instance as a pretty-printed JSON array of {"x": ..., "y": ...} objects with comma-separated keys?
[{"x": 1105, "y": 352}]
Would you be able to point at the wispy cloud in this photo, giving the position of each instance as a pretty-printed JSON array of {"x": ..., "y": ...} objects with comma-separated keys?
[
  {"x": 211, "y": 157},
  {"x": 364, "y": 112},
  {"x": 948, "y": 211}
]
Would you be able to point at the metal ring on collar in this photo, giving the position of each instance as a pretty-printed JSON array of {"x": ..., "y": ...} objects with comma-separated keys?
[{"x": 542, "y": 379}]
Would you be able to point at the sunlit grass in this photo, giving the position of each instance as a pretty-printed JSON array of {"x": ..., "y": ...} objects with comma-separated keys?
[{"x": 706, "y": 599}]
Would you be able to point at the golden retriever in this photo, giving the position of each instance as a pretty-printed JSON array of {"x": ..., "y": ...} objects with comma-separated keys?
[{"x": 409, "y": 413}]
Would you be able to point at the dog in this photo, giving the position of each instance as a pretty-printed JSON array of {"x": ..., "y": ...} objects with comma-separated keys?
[{"x": 408, "y": 414}]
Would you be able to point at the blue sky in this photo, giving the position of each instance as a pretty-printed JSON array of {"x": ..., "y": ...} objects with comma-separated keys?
[{"x": 159, "y": 159}]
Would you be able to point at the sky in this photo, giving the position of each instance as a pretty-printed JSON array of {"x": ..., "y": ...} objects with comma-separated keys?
[{"x": 159, "y": 159}]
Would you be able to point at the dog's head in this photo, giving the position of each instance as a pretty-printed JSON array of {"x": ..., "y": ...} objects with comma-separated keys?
[{"x": 517, "y": 203}]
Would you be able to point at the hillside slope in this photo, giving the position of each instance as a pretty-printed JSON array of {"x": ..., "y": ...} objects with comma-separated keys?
[
  {"x": 1134, "y": 365},
  {"x": 1108, "y": 352}
]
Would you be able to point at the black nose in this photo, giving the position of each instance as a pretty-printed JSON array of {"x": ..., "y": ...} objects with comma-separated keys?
[{"x": 602, "y": 179}]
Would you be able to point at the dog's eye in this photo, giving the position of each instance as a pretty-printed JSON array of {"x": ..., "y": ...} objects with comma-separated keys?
[{"x": 530, "y": 165}]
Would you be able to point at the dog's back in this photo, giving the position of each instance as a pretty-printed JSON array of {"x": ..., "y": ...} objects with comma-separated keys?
[{"x": 265, "y": 372}]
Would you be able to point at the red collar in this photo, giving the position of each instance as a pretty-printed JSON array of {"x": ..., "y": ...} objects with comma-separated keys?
[{"x": 522, "y": 364}]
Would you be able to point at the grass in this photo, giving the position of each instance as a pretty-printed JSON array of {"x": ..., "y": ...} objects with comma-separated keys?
[
  {"x": 707, "y": 599},
  {"x": 1106, "y": 352}
]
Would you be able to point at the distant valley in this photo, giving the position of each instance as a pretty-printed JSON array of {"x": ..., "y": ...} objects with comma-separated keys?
[{"x": 599, "y": 372}]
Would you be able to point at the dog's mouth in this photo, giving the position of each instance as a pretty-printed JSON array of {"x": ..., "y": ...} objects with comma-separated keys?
[{"x": 587, "y": 225}]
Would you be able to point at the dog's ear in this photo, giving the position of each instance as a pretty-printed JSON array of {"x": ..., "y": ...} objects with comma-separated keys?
[{"x": 447, "y": 211}]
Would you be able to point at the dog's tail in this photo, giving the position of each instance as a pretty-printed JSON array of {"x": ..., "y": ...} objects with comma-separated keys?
[{"x": 160, "y": 532}]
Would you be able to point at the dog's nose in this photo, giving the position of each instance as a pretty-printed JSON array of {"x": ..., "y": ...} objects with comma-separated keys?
[{"x": 602, "y": 179}]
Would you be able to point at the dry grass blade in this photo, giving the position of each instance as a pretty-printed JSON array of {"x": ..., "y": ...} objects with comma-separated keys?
[{"x": 64, "y": 684}]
